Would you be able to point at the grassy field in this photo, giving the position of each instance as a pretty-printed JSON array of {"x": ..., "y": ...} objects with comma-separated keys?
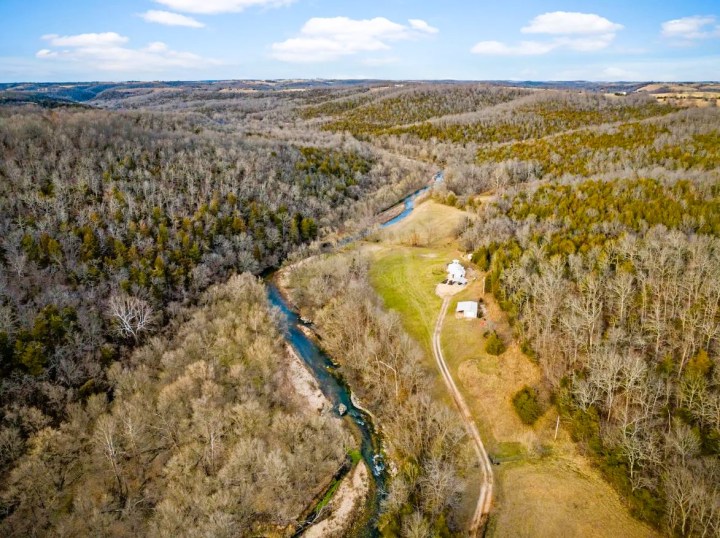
[
  {"x": 559, "y": 497},
  {"x": 405, "y": 276},
  {"x": 544, "y": 487}
]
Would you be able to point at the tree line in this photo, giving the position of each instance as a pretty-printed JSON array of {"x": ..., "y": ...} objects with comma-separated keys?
[
  {"x": 382, "y": 114},
  {"x": 535, "y": 116}
]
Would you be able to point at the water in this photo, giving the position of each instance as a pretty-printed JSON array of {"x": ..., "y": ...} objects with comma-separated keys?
[
  {"x": 332, "y": 385},
  {"x": 337, "y": 392},
  {"x": 409, "y": 206},
  {"x": 410, "y": 202}
]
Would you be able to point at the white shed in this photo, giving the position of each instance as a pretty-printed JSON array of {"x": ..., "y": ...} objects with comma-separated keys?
[
  {"x": 467, "y": 309},
  {"x": 456, "y": 273}
]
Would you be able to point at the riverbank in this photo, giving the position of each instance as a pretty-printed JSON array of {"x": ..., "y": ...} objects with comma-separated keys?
[
  {"x": 306, "y": 388},
  {"x": 337, "y": 396},
  {"x": 349, "y": 500}
]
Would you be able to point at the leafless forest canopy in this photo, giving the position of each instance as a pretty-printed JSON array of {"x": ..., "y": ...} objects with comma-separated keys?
[
  {"x": 600, "y": 238},
  {"x": 204, "y": 436}
]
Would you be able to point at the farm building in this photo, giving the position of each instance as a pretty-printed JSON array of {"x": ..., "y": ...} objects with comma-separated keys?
[
  {"x": 467, "y": 309},
  {"x": 456, "y": 273}
]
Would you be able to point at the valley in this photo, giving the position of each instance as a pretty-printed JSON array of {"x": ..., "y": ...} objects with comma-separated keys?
[{"x": 162, "y": 244}]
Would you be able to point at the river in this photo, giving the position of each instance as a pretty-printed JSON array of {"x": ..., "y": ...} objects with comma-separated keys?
[
  {"x": 409, "y": 202},
  {"x": 335, "y": 389}
]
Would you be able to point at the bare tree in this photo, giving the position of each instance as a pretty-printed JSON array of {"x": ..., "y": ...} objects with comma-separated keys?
[{"x": 132, "y": 315}]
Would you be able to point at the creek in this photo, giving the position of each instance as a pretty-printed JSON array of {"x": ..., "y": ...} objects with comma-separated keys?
[{"x": 334, "y": 387}]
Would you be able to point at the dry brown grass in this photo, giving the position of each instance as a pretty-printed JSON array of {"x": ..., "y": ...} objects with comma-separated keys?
[
  {"x": 430, "y": 225},
  {"x": 544, "y": 486},
  {"x": 698, "y": 100},
  {"x": 680, "y": 87},
  {"x": 696, "y": 94},
  {"x": 490, "y": 382},
  {"x": 559, "y": 498}
]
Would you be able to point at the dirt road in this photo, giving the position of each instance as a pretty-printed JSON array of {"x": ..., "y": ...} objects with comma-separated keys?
[{"x": 486, "y": 488}]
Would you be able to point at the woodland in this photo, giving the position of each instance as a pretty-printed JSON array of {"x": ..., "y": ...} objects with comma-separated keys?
[
  {"x": 613, "y": 286},
  {"x": 126, "y": 217}
]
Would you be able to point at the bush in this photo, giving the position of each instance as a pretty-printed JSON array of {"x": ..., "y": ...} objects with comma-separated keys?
[
  {"x": 482, "y": 257},
  {"x": 527, "y": 405},
  {"x": 526, "y": 347},
  {"x": 494, "y": 344}
]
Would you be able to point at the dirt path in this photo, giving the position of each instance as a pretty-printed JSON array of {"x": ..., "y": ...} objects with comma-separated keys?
[{"x": 486, "y": 488}]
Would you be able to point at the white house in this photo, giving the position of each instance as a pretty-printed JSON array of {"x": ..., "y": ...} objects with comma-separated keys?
[
  {"x": 456, "y": 273},
  {"x": 467, "y": 309}
]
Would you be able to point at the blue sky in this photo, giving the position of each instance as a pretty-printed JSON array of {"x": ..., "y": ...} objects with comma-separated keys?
[{"x": 81, "y": 40}]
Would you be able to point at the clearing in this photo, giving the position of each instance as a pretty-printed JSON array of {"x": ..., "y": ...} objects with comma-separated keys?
[
  {"x": 544, "y": 487},
  {"x": 485, "y": 496}
]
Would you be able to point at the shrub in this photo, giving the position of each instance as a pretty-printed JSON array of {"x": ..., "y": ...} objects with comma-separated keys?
[
  {"x": 494, "y": 344},
  {"x": 481, "y": 257},
  {"x": 526, "y": 347},
  {"x": 527, "y": 405}
]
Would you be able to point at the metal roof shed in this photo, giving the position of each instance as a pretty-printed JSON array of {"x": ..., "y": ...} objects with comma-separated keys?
[{"x": 467, "y": 309}]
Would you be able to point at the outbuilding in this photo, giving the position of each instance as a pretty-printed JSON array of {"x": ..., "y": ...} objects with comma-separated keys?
[{"x": 467, "y": 309}]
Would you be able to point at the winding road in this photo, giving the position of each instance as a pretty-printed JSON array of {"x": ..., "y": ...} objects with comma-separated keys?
[{"x": 486, "y": 488}]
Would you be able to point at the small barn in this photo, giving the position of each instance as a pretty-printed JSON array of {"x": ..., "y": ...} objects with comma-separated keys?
[
  {"x": 456, "y": 273},
  {"x": 467, "y": 309}
]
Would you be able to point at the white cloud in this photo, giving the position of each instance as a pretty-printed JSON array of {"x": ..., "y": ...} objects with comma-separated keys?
[
  {"x": 170, "y": 19},
  {"x": 375, "y": 62},
  {"x": 419, "y": 24},
  {"x": 104, "y": 39},
  {"x": 327, "y": 39},
  {"x": 566, "y": 22},
  {"x": 45, "y": 53},
  {"x": 688, "y": 28},
  {"x": 211, "y": 7},
  {"x": 579, "y": 32},
  {"x": 105, "y": 52}
]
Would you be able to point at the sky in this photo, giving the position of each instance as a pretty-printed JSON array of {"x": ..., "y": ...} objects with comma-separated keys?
[{"x": 599, "y": 40}]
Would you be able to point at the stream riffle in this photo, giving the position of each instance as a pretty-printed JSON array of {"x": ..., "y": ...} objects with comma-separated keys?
[{"x": 337, "y": 392}]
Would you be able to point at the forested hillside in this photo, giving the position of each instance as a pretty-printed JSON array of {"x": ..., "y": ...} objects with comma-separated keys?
[
  {"x": 203, "y": 435},
  {"x": 614, "y": 288},
  {"x": 365, "y": 116},
  {"x": 110, "y": 221},
  {"x": 533, "y": 116},
  {"x": 680, "y": 142}
]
